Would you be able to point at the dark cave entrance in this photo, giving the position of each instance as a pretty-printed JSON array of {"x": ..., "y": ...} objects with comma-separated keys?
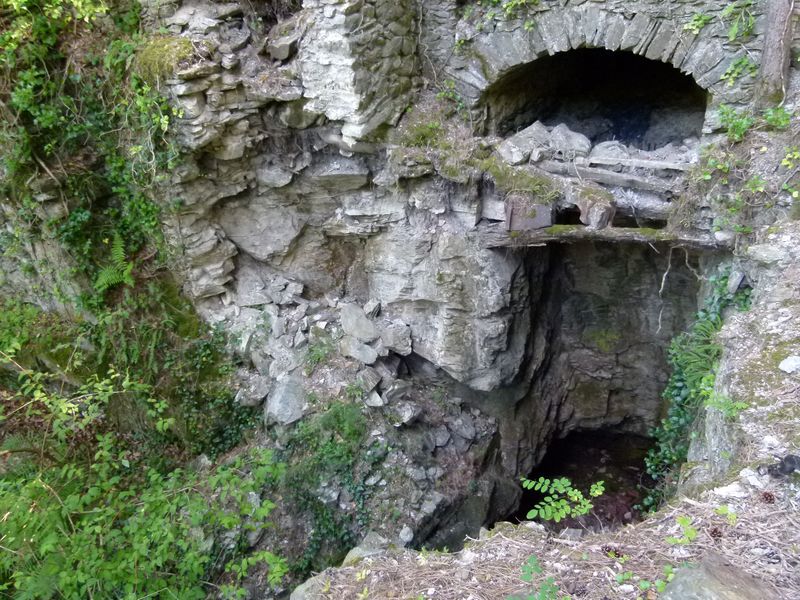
[
  {"x": 605, "y": 317},
  {"x": 586, "y": 457},
  {"x": 602, "y": 94}
]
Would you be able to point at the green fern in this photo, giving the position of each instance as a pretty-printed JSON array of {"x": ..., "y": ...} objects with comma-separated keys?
[{"x": 118, "y": 271}]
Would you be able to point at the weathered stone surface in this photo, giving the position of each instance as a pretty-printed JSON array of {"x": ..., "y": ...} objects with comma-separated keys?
[
  {"x": 286, "y": 402},
  {"x": 567, "y": 144},
  {"x": 274, "y": 176},
  {"x": 532, "y": 143},
  {"x": 261, "y": 231},
  {"x": 350, "y": 346},
  {"x": 713, "y": 579},
  {"x": 253, "y": 388},
  {"x": 368, "y": 379},
  {"x": 355, "y": 323},
  {"x": 790, "y": 364},
  {"x": 372, "y": 545},
  {"x": 396, "y": 336}
]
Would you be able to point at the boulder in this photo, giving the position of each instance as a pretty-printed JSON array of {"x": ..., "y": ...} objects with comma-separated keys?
[
  {"x": 350, "y": 346},
  {"x": 372, "y": 545},
  {"x": 261, "y": 231},
  {"x": 253, "y": 388},
  {"x": 567, "y": 144},
  {"x": 396, "y": 336},
  {"x": 714, "y": 579},
  {"x": 530, "y": 143},
  {"x": 286, "y": 402},
  {"x": 355, "y": 323}
]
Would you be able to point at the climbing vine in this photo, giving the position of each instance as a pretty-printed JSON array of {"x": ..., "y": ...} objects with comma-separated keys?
[{"x": 693, "y": 357}]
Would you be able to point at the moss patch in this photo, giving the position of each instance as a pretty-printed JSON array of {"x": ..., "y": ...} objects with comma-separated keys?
[
  {"x": 158, "y": 59},
  {"x": 511, "y": 179}
]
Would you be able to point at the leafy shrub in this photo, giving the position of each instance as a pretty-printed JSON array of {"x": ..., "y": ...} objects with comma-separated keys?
[
  {"x": 78, "y": 126},
  {"x": 100, "y": 524},
  {"x": 561, "y": 500},
  {"x": 737, "y": 123},
  {"x": 693, "y": 357},
  {"x": 778, "y": 118},
  {"x": 325, "y": 448}
]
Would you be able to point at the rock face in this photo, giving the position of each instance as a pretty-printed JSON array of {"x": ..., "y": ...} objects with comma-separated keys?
[
  {"x": 310, "y": 227},
  {"x": 712, "y": 580}
]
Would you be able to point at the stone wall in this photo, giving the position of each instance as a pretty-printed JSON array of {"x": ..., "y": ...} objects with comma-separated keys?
[
  {"x": 358, "y": 61},
  {"x": 494, "y": 46}
]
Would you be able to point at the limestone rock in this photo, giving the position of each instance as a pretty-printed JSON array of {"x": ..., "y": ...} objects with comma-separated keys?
[
  {"x": 350, "y": 346},
  {"x": 339, "y": 173},
  {"x": 396, "y": 336},
  {"x": 374, "y": 400},
  {"x": 790, "y": 364},
  {"x": 407, "y": 413},
  {"x": 530, "y": 143},
  {"x": 286, "y": 402},
  {"x": 253, "y": 388},
  {"x": 372, "y": 545},
  {"x": 567, "y": 144},
  {"x": 274, "y": 176},
  {"x": 714, "y": 579},
  {"x": 356, "y": 323},
  {"x": 283, "y": 40},
  {"x": 310, "y": 589},
  {"x": 261, "y": 231},
  {"x": 368, "y": 379}
]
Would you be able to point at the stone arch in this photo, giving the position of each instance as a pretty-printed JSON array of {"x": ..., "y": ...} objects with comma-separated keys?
[{"x": 653, "y": 34}]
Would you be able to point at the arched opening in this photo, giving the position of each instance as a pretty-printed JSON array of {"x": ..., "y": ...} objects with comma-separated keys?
[{"x": 603, "y": 95}]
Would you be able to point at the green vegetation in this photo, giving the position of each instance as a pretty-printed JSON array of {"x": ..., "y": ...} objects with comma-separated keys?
[
  {"x": 85, "y": 515},
  {"x": 693, "y": 357},
  {"x": 697, "y": 23},
  {"x": 546, "y": 589},
  {"x": 323, "y": 451},
  {"x": 318, "y": 351},
  {"x": 108, "y": 400},
  {"x": 688, "y": 532},
  {"x": 79, "y": 127},
  {"x": 159, "y": 56},
  {"x": 737, "y": 123},
  {"x": 561, "y": 500},
  {"x": 511, "y": 179},
  {"x": 739, "y": 18},
  {"x": 739, "y": 68}
]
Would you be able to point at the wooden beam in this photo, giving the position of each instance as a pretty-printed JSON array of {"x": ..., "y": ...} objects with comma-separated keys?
[
  {"x": 625, "y": 180},
  {"x": 494, "y": 235},
  {"x": 658, "y": 165}
]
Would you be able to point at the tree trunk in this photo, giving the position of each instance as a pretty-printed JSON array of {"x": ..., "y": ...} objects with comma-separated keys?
[{"x": 774, "y": 72}]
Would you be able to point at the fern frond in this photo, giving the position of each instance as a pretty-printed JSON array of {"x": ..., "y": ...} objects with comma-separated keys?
[
  {"x": 118, "y": 271},
  {"x": 107, "y": 278},
  {"x": 118, "y": 252}
]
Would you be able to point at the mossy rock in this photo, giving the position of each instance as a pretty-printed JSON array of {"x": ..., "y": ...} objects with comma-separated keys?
[{"x": 160, "y": 56}]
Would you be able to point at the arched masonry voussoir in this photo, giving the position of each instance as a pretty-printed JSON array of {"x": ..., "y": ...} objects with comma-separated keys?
[{"x": 657, "y": 32}]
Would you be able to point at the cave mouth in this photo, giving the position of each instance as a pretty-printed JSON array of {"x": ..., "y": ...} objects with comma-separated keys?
[
  {"x": 586, "y": 457},
  {"x": 604, "y": 95}
]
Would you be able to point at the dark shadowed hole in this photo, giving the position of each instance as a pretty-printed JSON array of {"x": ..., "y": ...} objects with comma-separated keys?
[
  {"x": 622, "y": 220},
  {"x": 603, "y": 94},
  {"x": 586, "y": 457},
  {"x": 568, "y": 216}
]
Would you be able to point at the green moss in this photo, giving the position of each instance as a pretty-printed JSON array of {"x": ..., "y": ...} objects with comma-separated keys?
[
  {"x": 654, "y": 234},
  {"x": 516, "y": 179},
  {"x": 157, "y": 59},
  {"x": 604, "y": 340},
  {"x": 559, "y": 229}
]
